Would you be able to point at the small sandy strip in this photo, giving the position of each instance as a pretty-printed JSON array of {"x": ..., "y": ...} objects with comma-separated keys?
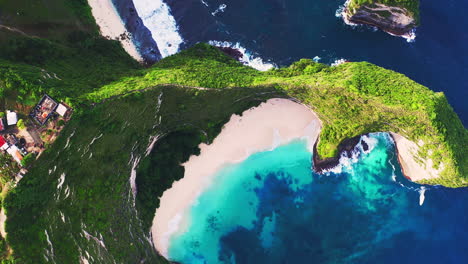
[
  {"x": 112, "y": 26},
  {"x": 273, "y": 123},
  {"x": 407, "y": 156}
]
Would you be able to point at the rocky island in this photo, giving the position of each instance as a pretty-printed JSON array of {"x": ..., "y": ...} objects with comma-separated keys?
[{"x": 399, "y": 18}]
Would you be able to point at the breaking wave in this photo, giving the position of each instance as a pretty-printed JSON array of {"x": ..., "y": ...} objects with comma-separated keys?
[
  {"x": 247, "y": 57},
  {"x": 221, "y": 9},
  {"x": 346, "y": 162},
  {"x": 156, "y": 16}
]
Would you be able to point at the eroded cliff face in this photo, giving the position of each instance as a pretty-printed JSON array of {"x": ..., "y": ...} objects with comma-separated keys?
[
  {"x": 415, "y": 168},
  {"x": 394, "y": 20}
]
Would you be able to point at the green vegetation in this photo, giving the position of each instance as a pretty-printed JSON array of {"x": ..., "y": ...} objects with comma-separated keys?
[
  {"x": 21, "y": 124},
  {"x": 411, "y": 5},
  {"x": 95, "y": 194},
  {"x": 351, "y": 99},
  {"x": 28, "y": 159},
  {"x": 55, "y": 48},
  {"x": 52, "y": 19},
  {"x": 200, "y": 120},
  {"x": 78, "y": 195},
  {"x": 199, "y": 88},
  {"x": 374, "y": 98},
  {"x": 157, "y": 172},
  {"x": 30, "y": 67}
]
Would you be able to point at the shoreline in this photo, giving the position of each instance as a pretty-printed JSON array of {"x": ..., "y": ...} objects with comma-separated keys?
[
  {"x": 413, "y": 169},
  {"x": 347, "y": 146},
  {"x": 112, "y": 26},
  {"x": 262, "y": 128},
  {"x": 141, "y": 35}
]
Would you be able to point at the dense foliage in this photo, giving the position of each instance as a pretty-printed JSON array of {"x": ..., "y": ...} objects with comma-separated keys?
[
  {"x": 52, "y": 19},
  {"x": 30, "y": 67},
  {"x": 77, "y": 198},
  {"x": 80, "y": 189},
  {"x": 351, "y": 99}
]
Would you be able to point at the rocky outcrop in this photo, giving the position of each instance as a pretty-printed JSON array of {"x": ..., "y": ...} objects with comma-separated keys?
[{"x": 391, "y": 19}]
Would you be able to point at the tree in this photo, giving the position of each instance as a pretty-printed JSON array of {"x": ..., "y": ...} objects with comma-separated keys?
[
  {"x": 28, "y": 159},
  {"x": 21, "y": 124}
]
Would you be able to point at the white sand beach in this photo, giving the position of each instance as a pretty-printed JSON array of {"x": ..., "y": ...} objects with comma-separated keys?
[
  {"x": 407, "y": 153},
  {"x": 112, "y": 26},
  {"x": 273, "y": 123}
]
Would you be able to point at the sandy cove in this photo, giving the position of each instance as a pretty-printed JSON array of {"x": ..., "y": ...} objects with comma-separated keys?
[
  {"x": 273, "y": 123},
  {"x": 111, "y": 25},
  {"x": 263, "y": 128}
]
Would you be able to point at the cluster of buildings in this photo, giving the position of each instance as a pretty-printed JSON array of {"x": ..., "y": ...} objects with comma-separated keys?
[
  {"x": 16, "y": 142},
  {"x": 9, "y": 142},
  {"x": 9, "y": 145}
]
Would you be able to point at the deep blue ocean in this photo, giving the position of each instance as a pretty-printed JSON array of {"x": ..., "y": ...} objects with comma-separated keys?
[{"x": 272, "y": 208}]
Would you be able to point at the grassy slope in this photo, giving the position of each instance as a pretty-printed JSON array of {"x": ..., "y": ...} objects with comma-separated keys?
[
  {"x": 60, "y": 52},
  {"x": 351, "y": 99},
  {"x": 53, "y": 46},
  {"x": 96, "y": 176},
  {"x": 52, "y": 19}
]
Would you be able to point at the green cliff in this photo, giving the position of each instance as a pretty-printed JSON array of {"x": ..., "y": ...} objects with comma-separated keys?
[
  {"x": 77, "y": 200},
  {"x": 189, "y": 96}
]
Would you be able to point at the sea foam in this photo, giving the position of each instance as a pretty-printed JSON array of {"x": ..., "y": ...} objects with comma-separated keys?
[
  {"x": 422, "y": 195},
  {"x": 346, "y": 162},
  {"x": 157, "y": 17},
  {"x": 247, "y": 57},
  {"x": 221, "y": 9}
]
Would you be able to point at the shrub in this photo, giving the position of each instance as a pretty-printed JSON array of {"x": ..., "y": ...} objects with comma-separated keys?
[
  {"x": 28, "y": 159},
  {"x": 21, "y": 124}
]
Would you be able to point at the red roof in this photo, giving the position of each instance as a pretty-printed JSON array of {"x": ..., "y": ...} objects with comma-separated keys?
[{"x": 2, "y": 141}]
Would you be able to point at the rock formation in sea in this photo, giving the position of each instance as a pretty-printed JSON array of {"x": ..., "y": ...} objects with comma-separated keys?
[
  {"x": 394, "y": 19},
  {"x": 232, "y": 52}
]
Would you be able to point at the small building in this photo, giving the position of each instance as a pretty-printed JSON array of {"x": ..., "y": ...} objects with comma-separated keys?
[
  {"x": 44, "y": 109},
  {"x": 12, "y": 118},
  {"x": 61, "y": 110},
  {"x": 15, "y": 153},
  {"x": 3, "y": 144}
]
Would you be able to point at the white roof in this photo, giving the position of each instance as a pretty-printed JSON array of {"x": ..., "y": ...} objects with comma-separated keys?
[
  {"x": 5, "y": 146},
  {"x": 12, "y": 118},
  {"x": 14, "y": 152},
  {"x": 61, "y": 109}
]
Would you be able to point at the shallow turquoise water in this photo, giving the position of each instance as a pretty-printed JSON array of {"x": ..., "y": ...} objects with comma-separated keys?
[{"x": 271, "y": 208}]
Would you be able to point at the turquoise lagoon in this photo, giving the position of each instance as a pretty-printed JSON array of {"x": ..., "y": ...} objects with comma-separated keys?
[{"x": 272, "y": 208}]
